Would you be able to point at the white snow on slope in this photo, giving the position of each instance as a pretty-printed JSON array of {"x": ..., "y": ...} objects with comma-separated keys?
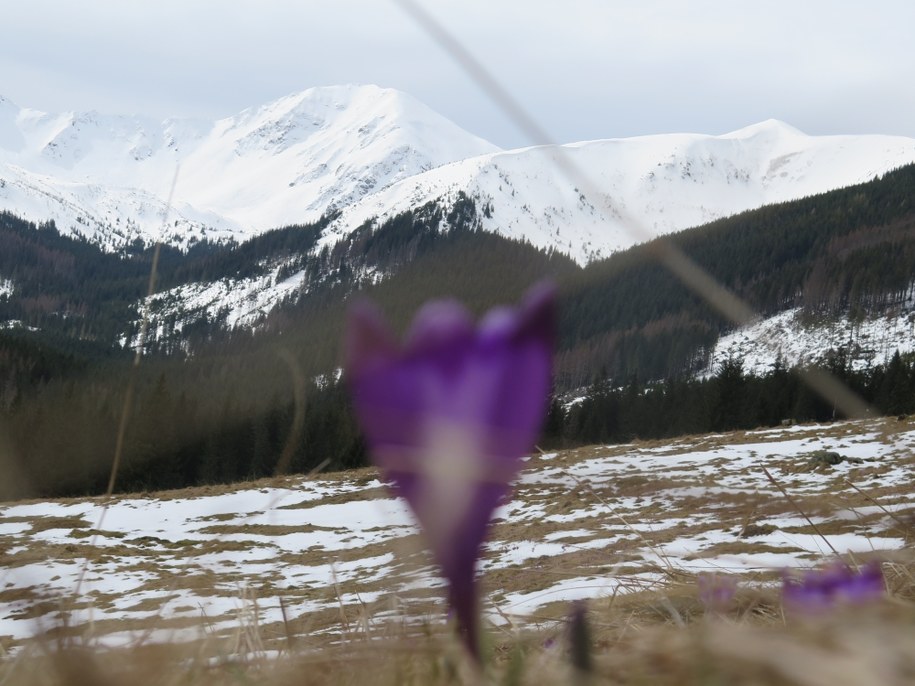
[
  {"x": 242, "y": 302},
  {"x": 233, "y": 302},
  {"x": 289, "y": 161},
  {"x": 653, "y": 183},
  {"x": 625, "y": 191},
  {"x": 869, "y": 341}
]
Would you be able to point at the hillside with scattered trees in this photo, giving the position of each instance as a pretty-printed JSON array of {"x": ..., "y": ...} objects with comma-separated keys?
[{"x": 227, "y": 404}]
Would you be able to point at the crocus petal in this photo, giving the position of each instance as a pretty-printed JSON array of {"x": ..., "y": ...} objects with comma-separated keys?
[
  {"x": 448, "y": 416},
  {"x": 368, "y": 342},
  {"x": 716, "y": 590},
  {"x": 822, "y": 589}
]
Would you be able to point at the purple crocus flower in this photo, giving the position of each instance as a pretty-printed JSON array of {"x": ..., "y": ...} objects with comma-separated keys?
[
  {"x": 716, "y": 590},
  {"x": 821, "y": 589},
  {"x": 449, "y": 414}
]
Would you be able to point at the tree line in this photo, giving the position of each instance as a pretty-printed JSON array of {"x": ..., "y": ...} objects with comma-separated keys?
[
  {"x": 614, "y": 412},
  {"x": 64, "y": 444}
]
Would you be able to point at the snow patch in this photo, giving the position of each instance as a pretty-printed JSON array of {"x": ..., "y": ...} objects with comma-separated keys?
[{"x": 870, "y": 341}]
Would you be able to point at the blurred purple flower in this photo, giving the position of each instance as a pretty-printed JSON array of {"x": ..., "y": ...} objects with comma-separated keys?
[
  {"x": 448, "y": 416},
  {"x": 836, "y": 583},
  {"x": 716, "y": 590},
  {"x": 580, "y": 638}
]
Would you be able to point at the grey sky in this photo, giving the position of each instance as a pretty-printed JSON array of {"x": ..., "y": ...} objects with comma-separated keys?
[{"x": 583, "y": 69}]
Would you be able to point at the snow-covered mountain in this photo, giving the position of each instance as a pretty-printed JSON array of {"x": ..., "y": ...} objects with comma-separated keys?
[
  {"x": 373, "y": 153},
  {"x": 590, "y": 199},
  {"x": 289, "y": 161},
  {"x": 368, "y": 154}
]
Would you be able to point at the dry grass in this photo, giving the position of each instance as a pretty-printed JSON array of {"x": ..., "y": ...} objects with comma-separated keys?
[
  {"x": 663, "y": 637},
  {"x": 649, "y": 628}
]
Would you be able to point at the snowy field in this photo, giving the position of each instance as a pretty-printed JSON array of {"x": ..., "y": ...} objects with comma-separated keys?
[{"x": 326, "y": 557}]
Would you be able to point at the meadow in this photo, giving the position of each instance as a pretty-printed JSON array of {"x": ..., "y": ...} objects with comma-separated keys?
[{"x": 653, "y": 562}]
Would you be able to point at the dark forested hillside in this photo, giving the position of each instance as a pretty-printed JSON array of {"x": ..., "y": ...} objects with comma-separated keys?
[
  {"x": 70, "y": 287},
  {"x": 244, "y": 405},
  {"x": 731, "y": 399},
  {"x": 232, "y": 404},
  {"x": 851, "y": 249}
]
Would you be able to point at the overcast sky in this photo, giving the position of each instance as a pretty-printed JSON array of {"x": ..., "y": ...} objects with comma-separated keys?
[{"x": 583, "y": 69}]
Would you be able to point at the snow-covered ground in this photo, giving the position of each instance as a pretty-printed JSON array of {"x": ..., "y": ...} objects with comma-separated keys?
[
  {"x": 870, "y": 341},
  {"x": 339, "y": 549}
]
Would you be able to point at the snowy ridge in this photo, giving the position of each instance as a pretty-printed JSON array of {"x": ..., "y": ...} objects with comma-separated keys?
[
  {"x": 368, "y": 154},
  {"x": 289, "y": 161},
  {"x": 111, "y": 217},
  {"x": 644, "y": 186},
  {"x": 372, "y": 153}
]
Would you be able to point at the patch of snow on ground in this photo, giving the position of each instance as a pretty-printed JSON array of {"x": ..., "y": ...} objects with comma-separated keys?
[{"x": 572, "y": 530}]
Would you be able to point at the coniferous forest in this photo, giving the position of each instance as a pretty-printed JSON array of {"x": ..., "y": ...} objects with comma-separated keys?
[{"x": 221, "y": 405}]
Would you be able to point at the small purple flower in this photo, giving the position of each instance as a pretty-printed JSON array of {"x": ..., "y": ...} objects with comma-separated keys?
[
  {"x": 822, "y": 589},
  {"x": 580, "y": 638},
  {"x": 716, "y": 590},
  {"x": 448, "y": 416}
]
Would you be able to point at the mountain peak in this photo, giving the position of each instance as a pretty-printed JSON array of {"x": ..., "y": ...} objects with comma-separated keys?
[
  {"x": 326, "y": 99},
  {"x": 374, "y": 152},
  {"x": 768, "y": 127},
  {"x": 8, "y": 106},
  {"x": 287, "y": 161},
  {"x": 642, "y": 186}
]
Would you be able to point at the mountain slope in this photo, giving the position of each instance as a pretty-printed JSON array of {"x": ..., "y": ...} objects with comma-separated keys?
[
  {"x": 792, "y": 340},
  {"x": 847, "y": 251},
  {"x": 639, "y": 187},
  {"x": 228, "y": 406},
  {"x": 291, "y": 160}
]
